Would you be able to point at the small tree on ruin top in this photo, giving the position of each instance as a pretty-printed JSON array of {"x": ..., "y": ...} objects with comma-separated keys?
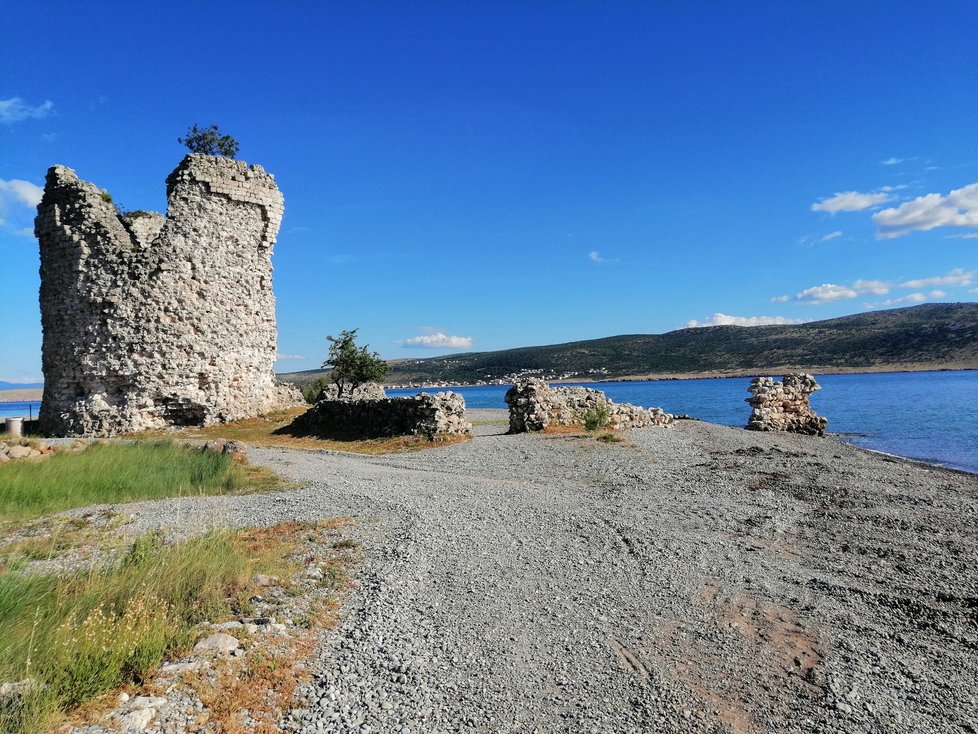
[
  {"x": 350, "y": 365},
  {"x": 209, "y": 141}
]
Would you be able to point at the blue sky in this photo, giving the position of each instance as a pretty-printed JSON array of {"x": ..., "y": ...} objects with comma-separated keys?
[{"x": 489, "y": 175}]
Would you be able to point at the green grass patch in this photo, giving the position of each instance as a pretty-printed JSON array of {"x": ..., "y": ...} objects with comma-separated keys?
[
  {"x": 75, "y": 636},
  {"x": 109, "y": 473}
]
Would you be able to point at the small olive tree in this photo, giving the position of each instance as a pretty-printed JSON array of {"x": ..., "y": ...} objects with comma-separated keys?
[
  {"x": 350, "y": 365},
  {"x": 209, "y": 141}
]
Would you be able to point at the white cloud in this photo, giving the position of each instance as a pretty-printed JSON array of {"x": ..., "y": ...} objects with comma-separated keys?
[
  {"x": 892, "y": 161},
  {"x": 954, "y": 278},
  {"x": 851, "y": 201},
  {"x": 20, "y": 192},
  {"x": 876, "y": 287},
  {"x": 16, "y": 109},
  {"x": 596, "y": 257},
  {"x": 937, "y": 294},
  {"x": 966, "y": 236},
  {"x": 826, "y": 293},
  {"x": 831, "y": 236},
  {"x": 289, "y": 357},
  {"x": 912, "y": 298},
  {"x": 780, "y": 299},
  {"x": 973, "y": 290},
  {"x": 722, "y": 319},
  {"x": 958, "y": 209},
  {"x": 16, "y": 198},
  {"x": 438, "y": 341}
]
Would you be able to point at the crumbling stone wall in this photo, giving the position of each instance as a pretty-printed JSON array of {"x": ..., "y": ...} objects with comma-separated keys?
[
  {"x": 441, "y": 414},
  {"x": 784, "y": 406},
  {"x": 534, "y": 405},
  {"x": 366, "y": 391},
  {"x": 152, "y": 321}
]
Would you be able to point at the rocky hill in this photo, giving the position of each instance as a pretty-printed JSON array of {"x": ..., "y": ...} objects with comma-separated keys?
[{"x": 929, "y": 336}]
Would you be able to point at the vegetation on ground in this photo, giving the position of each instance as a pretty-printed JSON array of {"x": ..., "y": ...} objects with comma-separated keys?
[
  {"x": 209, "y": 141},
  {"x": 596, "y": 417},
  {"x": 351, "y": 366},
  {"x": 72, "y": 636},
  {"x": 109, "y": 473}
]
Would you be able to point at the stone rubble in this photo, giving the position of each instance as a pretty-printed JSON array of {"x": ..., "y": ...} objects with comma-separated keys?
[
  {"x": 534, "y": 405},
  {"x": 424, "y": 414},
  {"x": 153, "y": 321},
  {"x": 784, "y": 406}
]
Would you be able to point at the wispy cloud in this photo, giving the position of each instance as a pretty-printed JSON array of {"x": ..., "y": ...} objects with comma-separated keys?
[
  {"x": 17, "y": 191},
  {"x": 965, "y": 236},
  {"x": 831, "y": 236},
  {"x": 16, "y": 109},
  {"x": 955, "y": 278},
  {"x": 781, "y": 299},
  {"x": 825, "y": 293},
  {"x": 875, "y": 287},
  {"x": 911, "y": 298},
  {"x": 17, "y": 199},
  {"x": 892, "y": 161},
  {"x": 852, "y": 201},
  {"x": 722, "y": 319},
  {"x": 289, "y": 357},
  {"x": 959, "y": 208},
  {"x": 596, "y": 257},
  {"x": 438, "y": 340}
]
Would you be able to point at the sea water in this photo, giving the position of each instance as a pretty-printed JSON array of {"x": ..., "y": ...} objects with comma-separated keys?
[{"x": 930, "y": 416}]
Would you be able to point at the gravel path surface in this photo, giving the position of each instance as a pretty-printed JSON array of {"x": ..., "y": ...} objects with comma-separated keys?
[{"x": 695, "y": 578}]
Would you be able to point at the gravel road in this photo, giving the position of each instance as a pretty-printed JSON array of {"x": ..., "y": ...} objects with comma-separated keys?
[{"x": 695, "y": 578}]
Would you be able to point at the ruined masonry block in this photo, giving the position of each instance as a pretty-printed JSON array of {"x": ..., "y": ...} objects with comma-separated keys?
[
  {"x": 784, "y": 406},
  {"x": 152, "y": 321}
]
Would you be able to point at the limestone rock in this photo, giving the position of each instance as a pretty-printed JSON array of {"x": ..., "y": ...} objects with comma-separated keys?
[
  {"x": 784, "y": 406},
  {"x": 219, "y": 642},
  {"x": 153, "y": 321},
  {"x": 534, "y": 405}
]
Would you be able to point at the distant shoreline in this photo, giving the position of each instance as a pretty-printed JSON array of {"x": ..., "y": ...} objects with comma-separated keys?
[{"x": 23, "y": 395}]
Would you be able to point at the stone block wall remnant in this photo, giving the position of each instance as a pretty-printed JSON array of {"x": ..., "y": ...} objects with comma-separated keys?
[
  {"x": 431, "y": 416},
  {"x": 784, "y": 406},
  {"x": 534, "y": 405},
  {"x": 151, "y": 321},
  {"x": 366, "y": 391}
]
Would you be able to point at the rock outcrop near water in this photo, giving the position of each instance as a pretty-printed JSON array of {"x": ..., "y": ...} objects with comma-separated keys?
[
  {"x": 534, "y": 405},
  {"x": 151, "y": 321},
  {"x": 431, "y": 416},
  {"x": 784, "y": 406}
]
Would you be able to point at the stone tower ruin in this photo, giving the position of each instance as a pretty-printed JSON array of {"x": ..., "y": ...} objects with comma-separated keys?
[{"x": 152, "y": 321}]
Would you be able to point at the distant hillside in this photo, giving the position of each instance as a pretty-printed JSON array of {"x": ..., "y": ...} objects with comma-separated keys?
[
  {"x": 19, "y": 385},
  {"x": 929, "y": 336}
]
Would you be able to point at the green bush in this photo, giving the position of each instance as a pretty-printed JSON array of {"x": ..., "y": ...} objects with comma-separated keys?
[
  {"x": 596, "y": 418},
  {"x": 311, "y": 390}
]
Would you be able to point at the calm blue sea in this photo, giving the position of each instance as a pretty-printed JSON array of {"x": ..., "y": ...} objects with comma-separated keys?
[{"x": 931, "y": 416}]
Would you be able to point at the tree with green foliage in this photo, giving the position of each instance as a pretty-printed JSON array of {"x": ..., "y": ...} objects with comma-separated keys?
[
  {"x": 209, "y": 141},
  {"x": 350, "y": 365}
]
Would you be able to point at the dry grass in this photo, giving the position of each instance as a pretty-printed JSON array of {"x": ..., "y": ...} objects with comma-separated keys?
[{"x": 261, "y": 431}]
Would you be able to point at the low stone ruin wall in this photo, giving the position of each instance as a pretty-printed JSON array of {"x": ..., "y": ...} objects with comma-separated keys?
[
  {"x": 534, "y": 405},
  {"x": 783, "y": 406},
  {"x": 431, "y": 416},
  {"x": 366, "y": 391}
]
